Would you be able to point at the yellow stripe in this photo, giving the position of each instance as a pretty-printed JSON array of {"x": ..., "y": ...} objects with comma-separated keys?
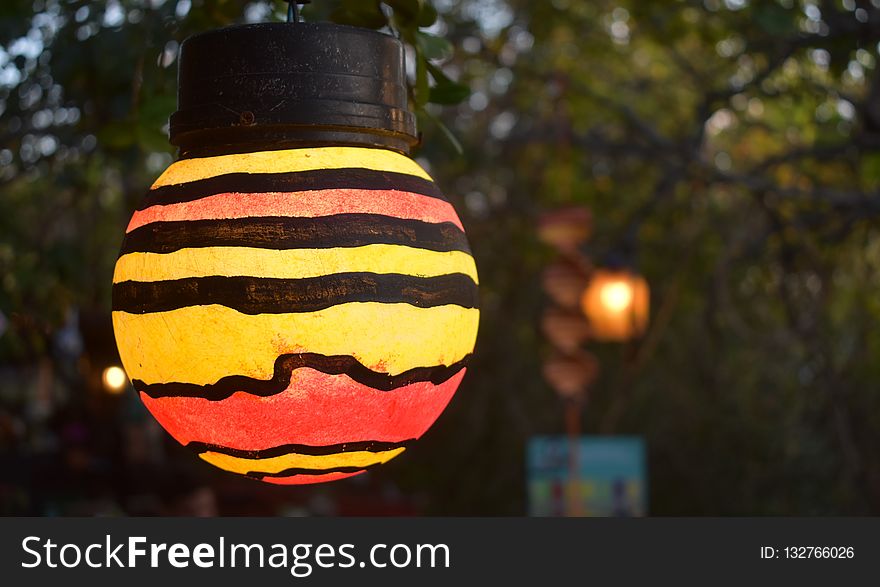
[
  {"x": 291, "y": 264},
  {"x": 291, "y": 461},
  {"x": 289, "y": 160},
  {"x": 201, "y": 344}
]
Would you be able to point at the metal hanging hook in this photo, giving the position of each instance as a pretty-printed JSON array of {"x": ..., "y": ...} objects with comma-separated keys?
[{"x": 293, "y": 10}]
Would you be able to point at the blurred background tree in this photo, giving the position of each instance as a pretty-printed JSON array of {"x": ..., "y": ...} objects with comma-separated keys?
[{"x": 731, "y": 149}]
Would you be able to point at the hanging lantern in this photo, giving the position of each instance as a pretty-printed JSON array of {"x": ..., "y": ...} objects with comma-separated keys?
[
  {"x": 565, "y": 228},
  {"x": 564, "y": 329},
  {"x": 616, "y": 304},
  {"x": 571, "y": 375},
  {"x": 295, "y": 299},
  {"x": 114, "y": 379},
  {"x": 563, "y": 283}
]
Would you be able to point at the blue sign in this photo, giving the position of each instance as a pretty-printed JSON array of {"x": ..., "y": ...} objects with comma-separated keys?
[{"x": 587, "y": 476}]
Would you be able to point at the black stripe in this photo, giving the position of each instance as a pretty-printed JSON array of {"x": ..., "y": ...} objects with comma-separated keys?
[
  {"x": 293, "y": 472},
  {"x": 296, "y": 181},
  {"x": 300, "y": 449},
  {"x": 270, "y": 295},
  {"x": 286, "y": 364},
  {"x": 274, "y": 232}
]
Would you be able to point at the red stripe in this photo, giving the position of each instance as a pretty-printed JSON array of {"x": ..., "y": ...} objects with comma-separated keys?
[
  {"x": 316, "y": 409},
  {"x": 304, "y": 204},
  {"x": 308, "y": 479}
]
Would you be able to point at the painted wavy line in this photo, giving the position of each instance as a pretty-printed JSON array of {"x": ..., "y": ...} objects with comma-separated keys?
[
  {"x": 291, "y": 263},
  {"x": 271, "y": 295},
  {"x": 284, "y": 367},
  {"x": 307, "y": 479},
  {"x": 273, "y": 232},
  {"x": 300, "y": 449},
  {"x": 317, "y": 179},
  {"x": 294, "y": 471}
]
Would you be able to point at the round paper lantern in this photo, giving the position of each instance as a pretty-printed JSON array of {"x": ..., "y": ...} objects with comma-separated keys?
[
  {"x": 295, "y": 299},
  {"x": 616, "y": 303}
]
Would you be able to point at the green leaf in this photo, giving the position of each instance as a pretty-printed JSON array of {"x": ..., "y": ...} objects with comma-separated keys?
[
  {"x": 449, "y": 94},
  {"x": 446, "y": 91},
  {"x": 432, "y": 46},
  {"x": 450, "y": 136},
  {"x": 438, "y": 74}
]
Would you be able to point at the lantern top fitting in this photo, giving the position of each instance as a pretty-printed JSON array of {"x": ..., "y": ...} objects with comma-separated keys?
[{"x": 282, "y": 85}]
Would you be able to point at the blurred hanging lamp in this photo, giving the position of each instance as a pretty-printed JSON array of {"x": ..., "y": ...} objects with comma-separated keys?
[
  {"x": 616, "y": 303},
  {"x": 295, "y": 299},
  {"x": 114, "y": 379}
]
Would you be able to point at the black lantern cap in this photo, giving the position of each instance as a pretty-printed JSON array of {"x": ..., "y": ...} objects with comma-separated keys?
[{"x": 274, "y": 85}]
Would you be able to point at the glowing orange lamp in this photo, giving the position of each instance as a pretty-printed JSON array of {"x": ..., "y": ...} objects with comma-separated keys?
[
  {"x": 114, "y": 379},
  {"x": 616, "y": 304}
]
